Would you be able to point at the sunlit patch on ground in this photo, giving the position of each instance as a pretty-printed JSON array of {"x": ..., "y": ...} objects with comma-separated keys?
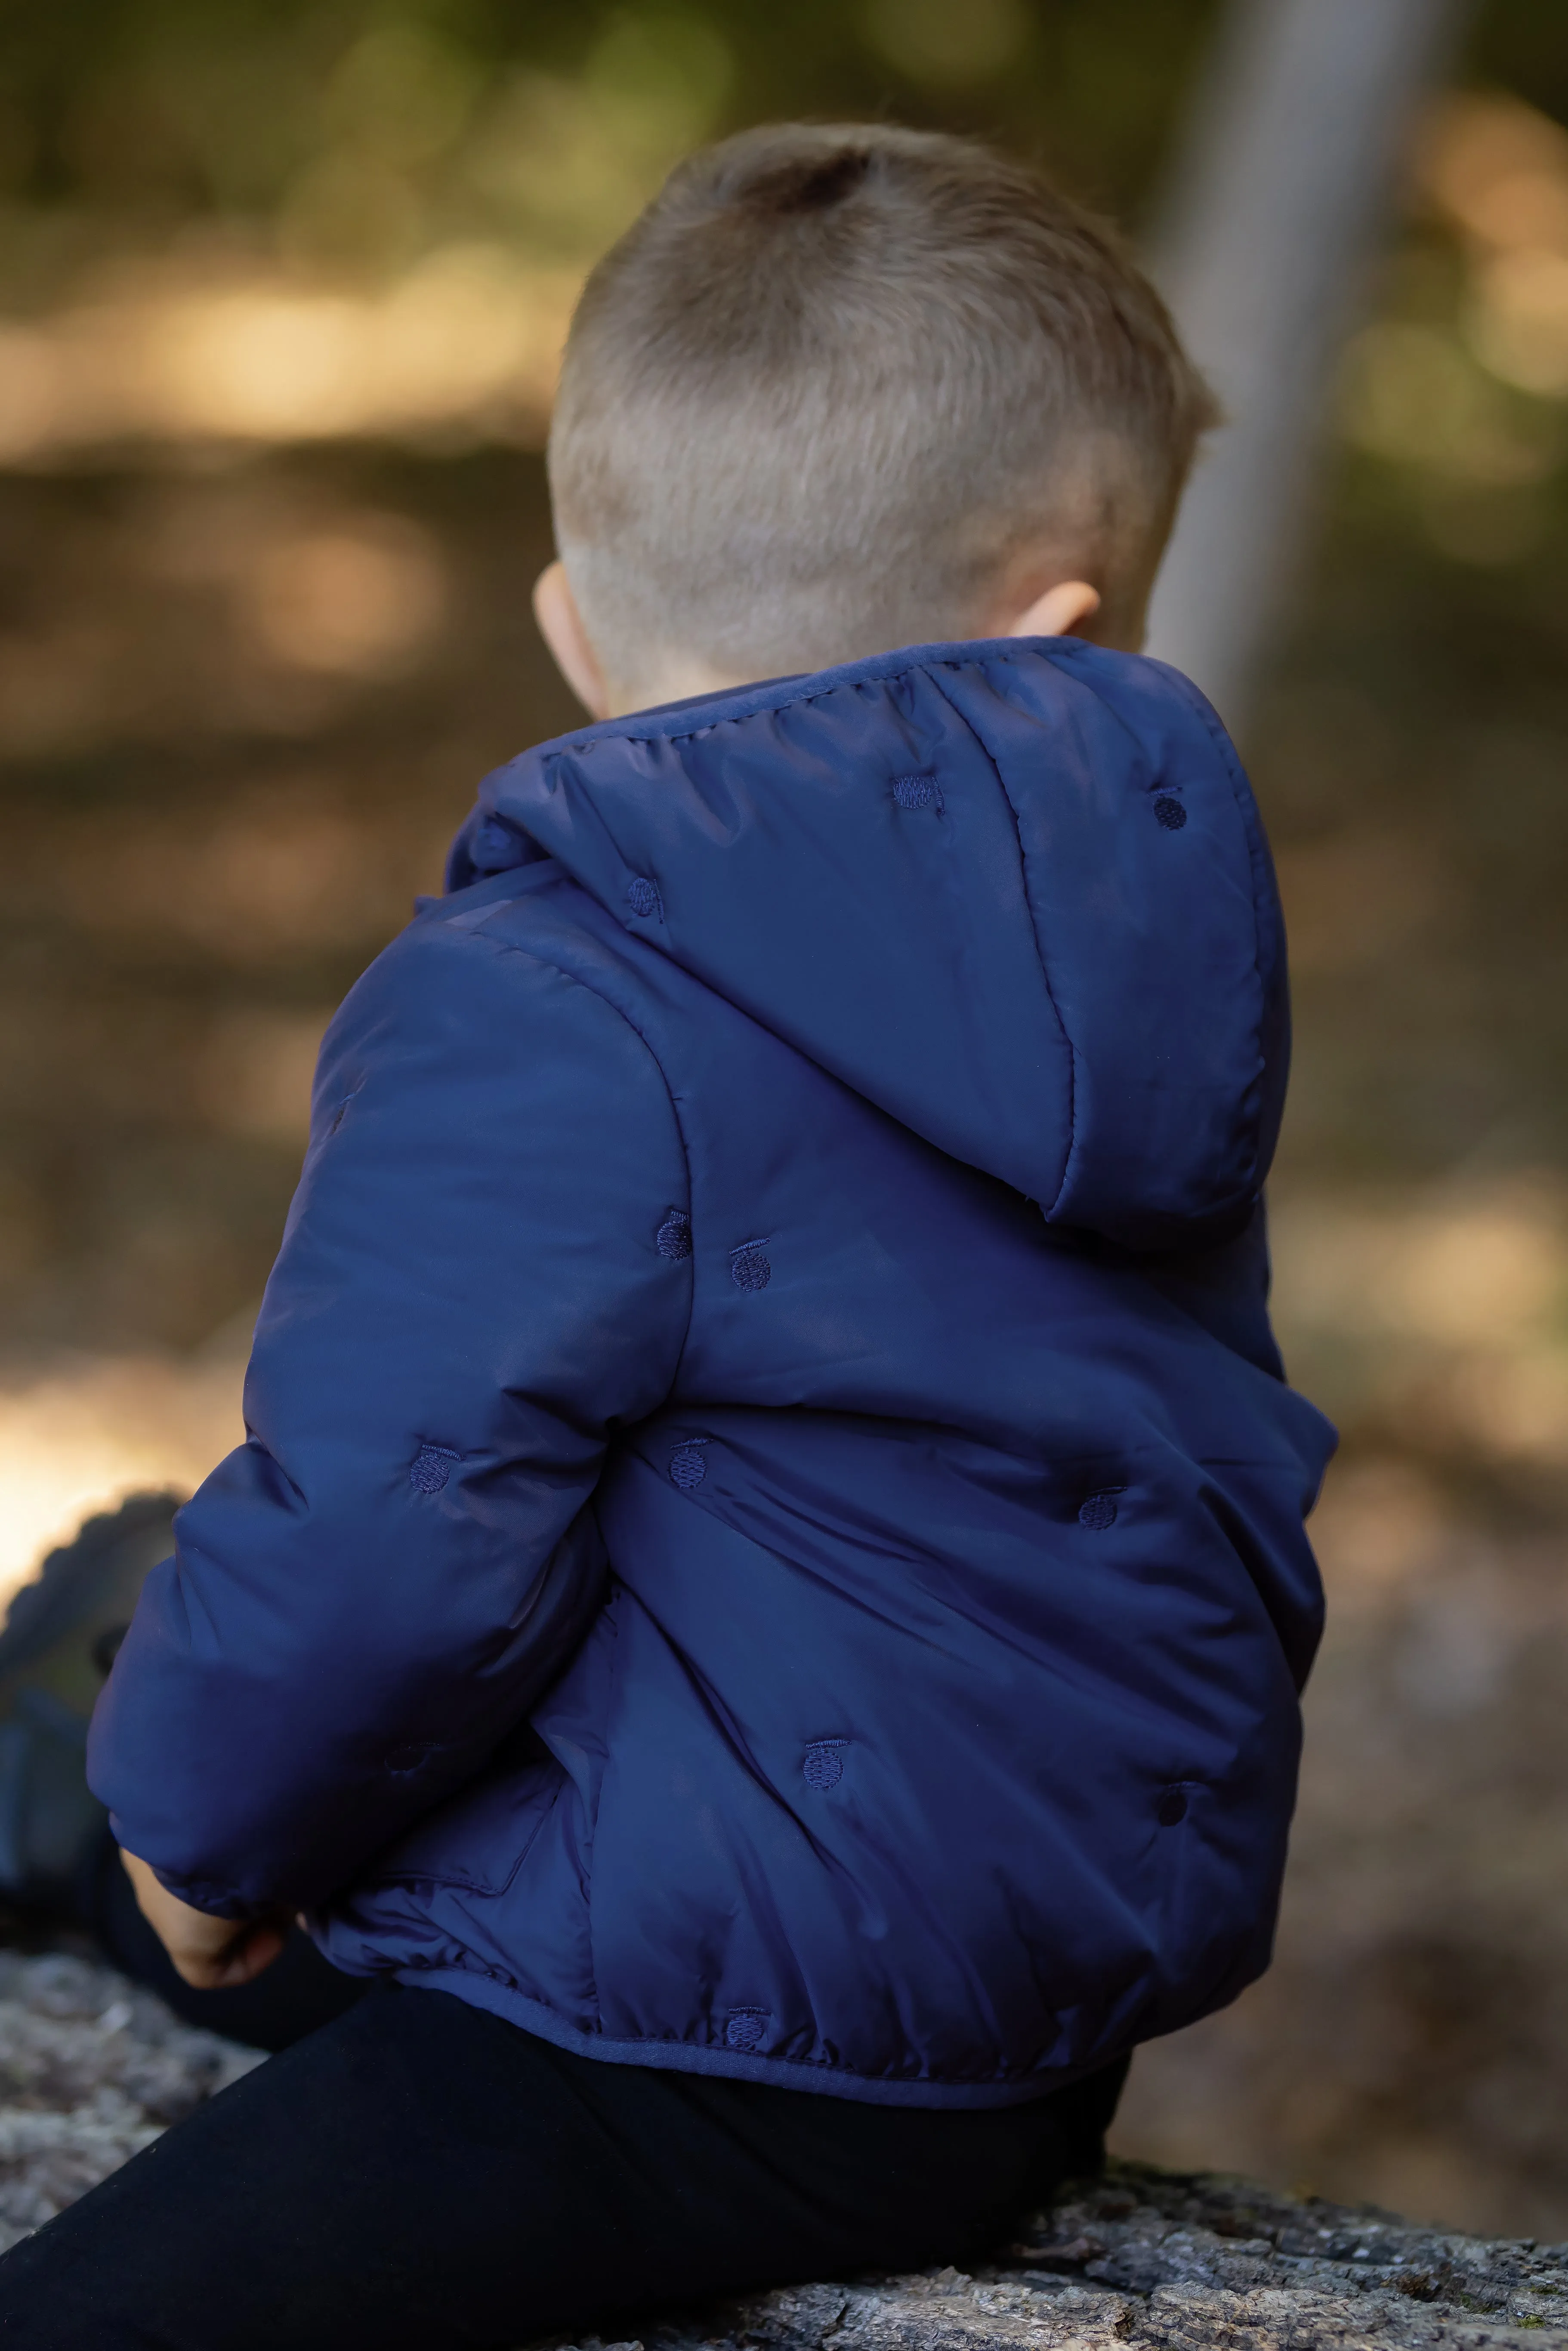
[
  {"x": 466, "y": 344},
  {"x": 1441, "y": 1319},
  {"x": 78, "y": 1437}
]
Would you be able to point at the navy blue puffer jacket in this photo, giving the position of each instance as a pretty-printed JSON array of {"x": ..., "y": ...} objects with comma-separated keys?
[{"x": 771, "y": 1535}]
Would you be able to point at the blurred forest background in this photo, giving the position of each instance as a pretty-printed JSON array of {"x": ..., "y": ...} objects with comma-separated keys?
[{"x": 282, "y": 283}]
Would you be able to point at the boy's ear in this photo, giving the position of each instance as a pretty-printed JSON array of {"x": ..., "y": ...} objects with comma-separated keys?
[
  {"x": 560, "y": 626},
  {"x": 1056, "y": 613}
]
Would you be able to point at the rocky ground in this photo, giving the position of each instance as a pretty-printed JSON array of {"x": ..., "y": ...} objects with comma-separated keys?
[
  {"x": 1187, "y": 2263},
  {"x": 92, "y": 2069}
]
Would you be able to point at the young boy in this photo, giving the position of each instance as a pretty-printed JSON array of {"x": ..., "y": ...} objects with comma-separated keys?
[{"x": 765, "y": 1595}]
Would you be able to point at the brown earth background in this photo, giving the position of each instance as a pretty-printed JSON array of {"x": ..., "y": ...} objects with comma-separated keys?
[{"x": 280, "y": 293}]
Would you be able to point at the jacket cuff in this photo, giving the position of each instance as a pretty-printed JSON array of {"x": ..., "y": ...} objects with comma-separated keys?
[{"x": 201, "y": 1894}]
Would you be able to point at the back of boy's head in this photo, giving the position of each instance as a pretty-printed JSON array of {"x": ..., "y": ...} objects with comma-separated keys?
[{"x": 837, "y": 383}]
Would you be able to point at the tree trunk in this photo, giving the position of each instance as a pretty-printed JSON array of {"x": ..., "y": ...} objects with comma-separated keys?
[{"x": 1276, "y": 209}]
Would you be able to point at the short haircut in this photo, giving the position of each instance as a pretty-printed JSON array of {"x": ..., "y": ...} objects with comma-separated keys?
[{"x": 834, "y": 380}]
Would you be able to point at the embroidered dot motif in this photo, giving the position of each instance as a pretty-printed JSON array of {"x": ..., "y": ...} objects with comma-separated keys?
[
  {"x": 748, "y": 1266},
  {"x": 744, "y": 2029},
  {"x": 1171, "y": 1809},
  {"x": 687, "y": 1469},
  {"x": 1098, "y": 1513},
  {"x": 824, "y": 1763},
  {"x": 1169, "y": 812},
  {"x": 495, "y": 846},
  {"x": 917, "y": 791},
  {"x": 431, "y": 1468},
  {"x": 642, "y": 896},
  {"x": 673, "y": 1237}
]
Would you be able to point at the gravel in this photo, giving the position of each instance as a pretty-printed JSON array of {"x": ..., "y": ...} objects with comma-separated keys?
[{"x": 92, "y": 2069}]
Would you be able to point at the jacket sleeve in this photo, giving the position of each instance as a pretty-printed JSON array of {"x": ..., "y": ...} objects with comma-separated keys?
[{"x": 374, "y": 1588}]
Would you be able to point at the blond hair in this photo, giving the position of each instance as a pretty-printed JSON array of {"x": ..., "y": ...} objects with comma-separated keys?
[{"x": 835, "y": 380}]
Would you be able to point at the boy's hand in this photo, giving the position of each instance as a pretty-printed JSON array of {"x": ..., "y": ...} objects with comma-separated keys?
[{"x": 212, "y": 1954}]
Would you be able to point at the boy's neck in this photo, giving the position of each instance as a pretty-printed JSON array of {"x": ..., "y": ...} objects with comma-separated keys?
[
  {"x": 1053, "y": 605},
  {"x": 680, "y": 679}
]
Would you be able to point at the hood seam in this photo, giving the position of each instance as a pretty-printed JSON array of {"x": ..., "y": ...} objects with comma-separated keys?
[
  {"x": 1259, "y": 866},
  {"x": 995, "y": 764}
]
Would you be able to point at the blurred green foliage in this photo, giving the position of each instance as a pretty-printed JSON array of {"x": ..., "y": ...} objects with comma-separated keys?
[
  {"x": 351, "y": 134},
  {"x": 357, "y": 132}
]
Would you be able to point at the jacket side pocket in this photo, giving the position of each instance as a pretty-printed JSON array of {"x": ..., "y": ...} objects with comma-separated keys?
[{"x": 479, "y": 1838}]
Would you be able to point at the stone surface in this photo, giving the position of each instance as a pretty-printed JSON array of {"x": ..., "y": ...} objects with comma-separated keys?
[
  {"x": 1193, "y": 2262},
  {"x": 92, "y": 2069}
]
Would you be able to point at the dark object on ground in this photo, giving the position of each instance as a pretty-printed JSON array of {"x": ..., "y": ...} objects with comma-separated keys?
[
  {"x": 58, "y": 1861},
  {"x": 59, "y": 1640},
  {"x": 421, "y": 2176}
]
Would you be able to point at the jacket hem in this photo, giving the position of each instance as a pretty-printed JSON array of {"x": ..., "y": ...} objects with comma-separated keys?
[{"x": 687, "y": 2057}]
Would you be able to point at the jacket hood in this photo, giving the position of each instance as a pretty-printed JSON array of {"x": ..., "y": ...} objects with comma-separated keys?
[{"x": 1016, "y": 893}]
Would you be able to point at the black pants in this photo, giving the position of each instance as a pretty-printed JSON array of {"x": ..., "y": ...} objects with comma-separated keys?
[{"x": 419, "y": 2176}]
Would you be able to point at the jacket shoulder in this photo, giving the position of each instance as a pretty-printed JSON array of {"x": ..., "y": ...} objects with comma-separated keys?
[{"x": 506, "y": 934}]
